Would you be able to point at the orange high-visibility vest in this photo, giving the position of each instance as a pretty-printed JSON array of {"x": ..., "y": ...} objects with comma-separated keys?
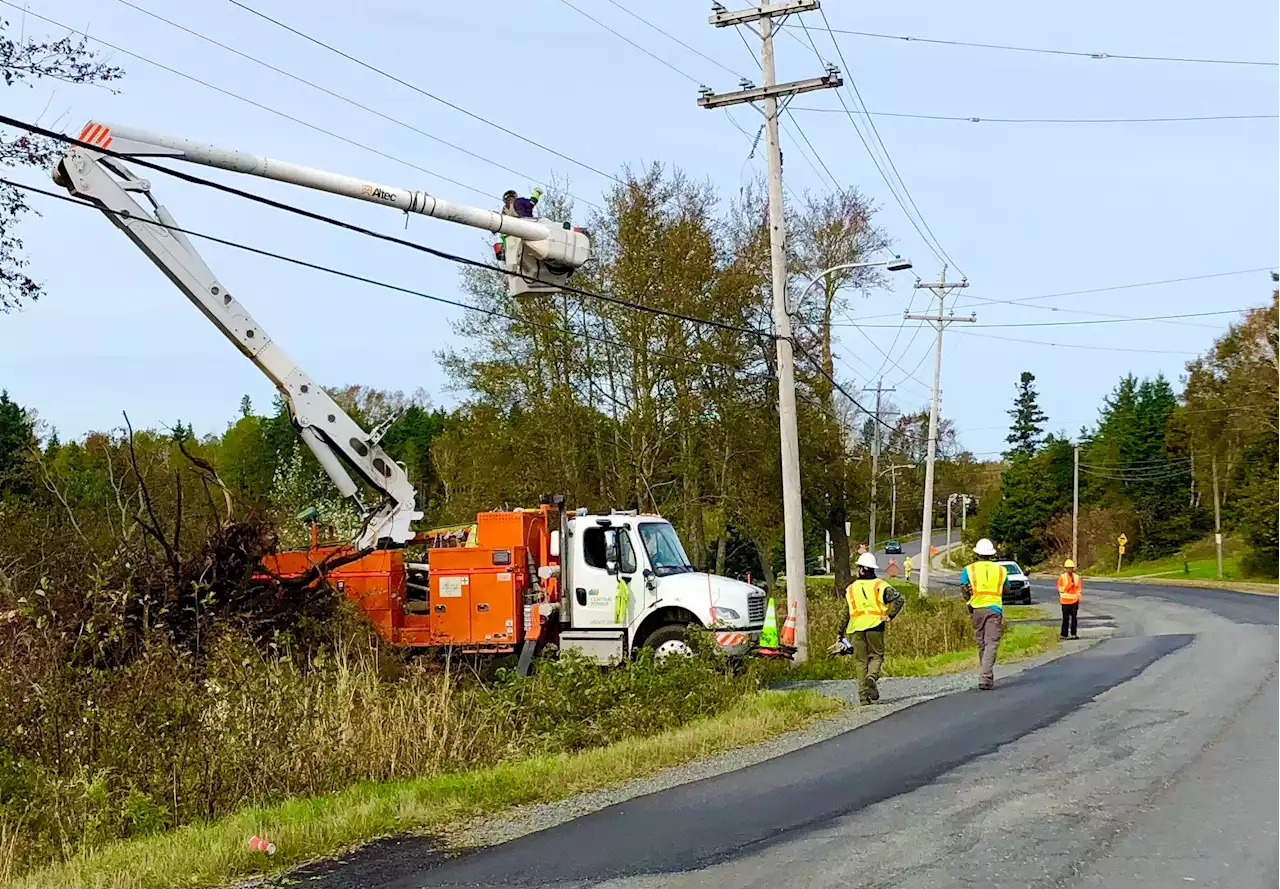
[
  {"x": 866, "y": 605},
  {"x": 1069, "y": 588}
]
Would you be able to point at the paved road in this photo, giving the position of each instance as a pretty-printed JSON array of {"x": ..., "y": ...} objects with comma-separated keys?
[{"x": 1148, "y": 760}]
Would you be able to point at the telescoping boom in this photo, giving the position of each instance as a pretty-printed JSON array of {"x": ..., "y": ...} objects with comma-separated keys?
[{"x": 338, "y": 442}]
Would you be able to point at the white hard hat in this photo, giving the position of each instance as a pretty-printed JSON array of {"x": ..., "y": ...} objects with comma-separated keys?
[
  {"x": 984, "y": 547},
  {"x": 867, "y": 560}
]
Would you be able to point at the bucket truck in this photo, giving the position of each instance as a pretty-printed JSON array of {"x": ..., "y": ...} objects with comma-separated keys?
[{"x": 601, "y": 584}]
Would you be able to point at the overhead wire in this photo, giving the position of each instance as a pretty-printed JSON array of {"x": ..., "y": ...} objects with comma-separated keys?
[
  {"x": 1097, "y": 56},
  {"x": 983, "y": 119},
  {"x": 338, "y": 223},
  {"x": 930, "y": 239},
  {"x": 1009, "y": 339},
  {"x": 325, "y": 90},
  {"x": 1087, "y": 321},
  {"x": 417, "y": 89},
  {"x": 363, "y": 279}
]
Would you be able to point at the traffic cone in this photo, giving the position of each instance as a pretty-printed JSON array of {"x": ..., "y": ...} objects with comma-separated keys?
[
  {"x": 258, "y": 844},
  {"x": 788, "y": 638},
  {"x": 769, "y": 634}
]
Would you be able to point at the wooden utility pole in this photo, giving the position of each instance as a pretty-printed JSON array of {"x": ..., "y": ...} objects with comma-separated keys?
[
  {"x": 940, "y": 321},
  {"x": 875, "y": 458},
  {"x": 1217, "y": 515},
  {"x": 768, "y": 95}
]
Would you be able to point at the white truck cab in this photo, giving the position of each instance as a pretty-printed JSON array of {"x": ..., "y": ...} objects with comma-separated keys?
[{"x": 627, "y": 582}]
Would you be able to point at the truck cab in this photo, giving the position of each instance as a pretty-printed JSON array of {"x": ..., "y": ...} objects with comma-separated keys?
[{"x": 626, "y": 582}]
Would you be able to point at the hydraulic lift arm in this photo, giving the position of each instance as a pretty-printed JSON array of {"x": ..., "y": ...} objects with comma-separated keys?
[{"x": 548, "y": 251}]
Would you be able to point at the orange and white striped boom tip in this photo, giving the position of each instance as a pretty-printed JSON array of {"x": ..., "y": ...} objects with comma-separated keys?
[{"x": 96, "y": 134}]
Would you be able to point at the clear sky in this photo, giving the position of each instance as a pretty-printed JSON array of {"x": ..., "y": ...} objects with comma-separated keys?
[{"x": 1023, "y": 209}]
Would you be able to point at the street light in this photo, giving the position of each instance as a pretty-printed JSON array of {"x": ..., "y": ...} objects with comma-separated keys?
[{"x": 897, "y": 264}]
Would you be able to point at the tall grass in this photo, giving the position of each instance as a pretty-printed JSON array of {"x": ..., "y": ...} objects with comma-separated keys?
[{"x": 97, "y": 755}]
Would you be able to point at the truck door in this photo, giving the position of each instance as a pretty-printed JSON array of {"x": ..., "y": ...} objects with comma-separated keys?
[{"x": 604, "y": 556}]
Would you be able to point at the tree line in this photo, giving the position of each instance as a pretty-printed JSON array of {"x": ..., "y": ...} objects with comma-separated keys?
[{"x": 1158, "y": 463}]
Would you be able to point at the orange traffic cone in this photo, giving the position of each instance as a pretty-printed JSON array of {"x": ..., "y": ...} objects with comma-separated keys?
[
  {"x": 258, "y": 844},
  {"x": 787, "y": 638}
]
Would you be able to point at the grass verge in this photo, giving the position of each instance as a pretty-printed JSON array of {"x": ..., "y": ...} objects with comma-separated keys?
[
  {"x": 1018, "y": 643},
  {"x": 215, "y": 853},
  {"x": 1025, "y": 612}
]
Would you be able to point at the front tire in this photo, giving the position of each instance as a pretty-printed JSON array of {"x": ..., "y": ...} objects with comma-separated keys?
[{"x": 669, "y": 639}]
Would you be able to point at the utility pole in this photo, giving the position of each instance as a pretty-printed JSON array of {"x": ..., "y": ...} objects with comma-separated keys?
[
  {"x": 1075, "y": 509},
  {"x": 893, "y": 502},
  {"x": 768, "y": 94},
  {"x": 1217, "y": 516},
  {"x": 875, "y": 457},
  {"x": 964, "y": 514},
  {"x": 951, "y": 498},
  {"x": 940, "y": 321}
]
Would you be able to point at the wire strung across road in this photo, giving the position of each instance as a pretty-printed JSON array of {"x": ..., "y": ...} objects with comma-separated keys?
[
  {"x": 1045, "y": 120},
  {"x": 315, "y": 86},
  {"x": 338, "y": 223},
  {"x": 363, "y": 279},
  {"x": 1126, "y": 320},
  {"x": 1010, "y": 339},
  {"x": 1056, "y": 52}
]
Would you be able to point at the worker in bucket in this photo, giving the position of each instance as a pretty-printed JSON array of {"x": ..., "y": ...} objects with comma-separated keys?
[
  {"x": 514, "y": 205},
  {"x": 870, "y": 603},
  {"x": 983, "y": 584}
]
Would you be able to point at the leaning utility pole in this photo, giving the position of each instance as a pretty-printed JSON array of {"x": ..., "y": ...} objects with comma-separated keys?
[
  {"x": 940, "y": 321},
  {"x": 875, "y": 458},
  {"x": 768, "y": 94}
]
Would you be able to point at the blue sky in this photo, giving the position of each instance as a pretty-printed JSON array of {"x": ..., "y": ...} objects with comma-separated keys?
[{"x": 1024, "y": 209}]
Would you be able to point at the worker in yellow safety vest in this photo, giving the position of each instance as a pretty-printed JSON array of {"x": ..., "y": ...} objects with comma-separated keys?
[
  {"x": 1069, "y": 598},
  {"x": 870, "y": 603},
  {"x": 983, "y": 584}
]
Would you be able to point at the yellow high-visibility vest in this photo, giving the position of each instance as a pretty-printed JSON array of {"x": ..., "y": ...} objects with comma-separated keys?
[
  {"x": 986, "y": 579},
  {"x": 866, "y": 605}
]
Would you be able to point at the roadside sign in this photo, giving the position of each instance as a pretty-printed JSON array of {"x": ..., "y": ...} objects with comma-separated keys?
[
  {"x": 1122, "y": 540},
  {"x": 1122, "y": 549}
]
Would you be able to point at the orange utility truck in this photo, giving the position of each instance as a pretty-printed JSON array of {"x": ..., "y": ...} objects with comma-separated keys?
[{"x": 599, "y": 584}]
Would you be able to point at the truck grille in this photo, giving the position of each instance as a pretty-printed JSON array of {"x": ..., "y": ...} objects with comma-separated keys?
[{"x": 755, "y": 609}]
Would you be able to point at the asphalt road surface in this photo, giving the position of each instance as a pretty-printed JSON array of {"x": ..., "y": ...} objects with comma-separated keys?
[{"x": 1147, "y": 760}]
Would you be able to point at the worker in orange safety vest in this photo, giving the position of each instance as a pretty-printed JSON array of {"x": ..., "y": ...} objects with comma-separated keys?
[
  {"x": 1069, "y": 598},
  {"x": 870, "y": 603}
]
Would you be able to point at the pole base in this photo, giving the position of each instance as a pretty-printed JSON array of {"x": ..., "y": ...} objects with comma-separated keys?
[{"x": 784, "y": 652}]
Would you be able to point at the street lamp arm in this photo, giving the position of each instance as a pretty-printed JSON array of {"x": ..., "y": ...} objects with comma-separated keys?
[{"x": 897, "y": 264}]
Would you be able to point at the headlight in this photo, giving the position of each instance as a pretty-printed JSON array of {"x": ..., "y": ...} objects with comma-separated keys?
[{"x": 721, "y": 613}]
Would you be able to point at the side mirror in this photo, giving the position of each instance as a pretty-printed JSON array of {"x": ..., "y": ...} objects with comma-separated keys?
[
  {"x": 611, "y": 566},
  {"x": 555, "y": 543},
  {"x": 650, "y": 580}
]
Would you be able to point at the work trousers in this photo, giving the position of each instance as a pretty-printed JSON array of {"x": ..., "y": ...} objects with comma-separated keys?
[
  {"x": 868, "y": 657},
  {"x": 988, "y": 626},
  {"x": 1069, "y": 617}
]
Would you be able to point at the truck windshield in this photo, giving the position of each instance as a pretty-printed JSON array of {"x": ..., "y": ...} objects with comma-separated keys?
[{"x": 666, "y": 555}]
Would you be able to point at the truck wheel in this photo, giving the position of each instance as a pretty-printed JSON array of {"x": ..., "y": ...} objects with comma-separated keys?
[{"x": 668, "y": 640}]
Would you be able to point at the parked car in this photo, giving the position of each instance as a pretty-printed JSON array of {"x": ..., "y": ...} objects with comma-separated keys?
[
  {"x": 1017, "y": 586},
  {"x": 893, "y": 548}
]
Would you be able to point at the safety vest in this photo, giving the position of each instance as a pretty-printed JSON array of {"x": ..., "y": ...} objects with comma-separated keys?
[
  {"x": 1069, "y": 588},
  {"x": 986, "y": 579},
  {"x": 866, "y": 605}
]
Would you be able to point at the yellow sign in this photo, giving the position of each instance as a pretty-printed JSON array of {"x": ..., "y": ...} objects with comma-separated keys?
[
  {"x": 1122, "y": 549},
  {"x": 1122, "y": 540}
]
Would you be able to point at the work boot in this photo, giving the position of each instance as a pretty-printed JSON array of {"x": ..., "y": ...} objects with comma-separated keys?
[
  {"x": 986, "y": 686},
  {"x": 864, "y": 702},
  {"x": 1074, "y": 636},
  {"x": 1064, "y": 637},
  {"x": 874, "y": 692}
]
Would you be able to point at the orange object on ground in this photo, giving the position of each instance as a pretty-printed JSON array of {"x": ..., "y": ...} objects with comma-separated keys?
[
  {"x": 258, "y": 844},
  {"x": 787, "y": 638}
]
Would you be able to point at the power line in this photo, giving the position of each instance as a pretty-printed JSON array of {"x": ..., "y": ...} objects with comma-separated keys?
[
  {"x": 234, "y": 95},
  {"x": 1009, "y": 339},
  {"x": 628, "y": 40},
  {"x": 1046, "y": 120},
  {"x": 1056, "y": 52},
  {"x": 1125, "y": 320},
  {"x": 944, "y": 257},
  {"x": 351, "y": 276},
  {"x": 1027, "y": 299},
  {"x": 329, "y": 220},
  {"x": 313, "y": 85},
  {"x": 671, "y": 36},
  {"x": 421, "y": 91}
]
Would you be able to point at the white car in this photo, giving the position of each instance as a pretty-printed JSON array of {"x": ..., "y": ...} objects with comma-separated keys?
[{"x": 1017, "y": 587}]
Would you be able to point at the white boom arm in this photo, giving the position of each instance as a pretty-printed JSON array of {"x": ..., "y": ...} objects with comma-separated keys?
[
  {"x": 336, "y": 440},
  {"x": 558, "y": 245}
]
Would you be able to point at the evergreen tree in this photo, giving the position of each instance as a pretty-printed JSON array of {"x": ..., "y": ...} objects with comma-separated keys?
[
  {"x": 1028, "y": 420},
  {"x": 246, "y": 407},
  {"x": 17, "y": 435}
]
